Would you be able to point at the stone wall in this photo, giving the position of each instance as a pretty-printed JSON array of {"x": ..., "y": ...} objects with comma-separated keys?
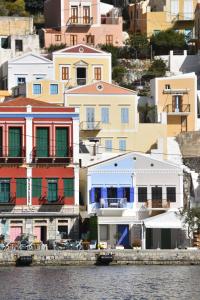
[{"x": 148, "y": 257}]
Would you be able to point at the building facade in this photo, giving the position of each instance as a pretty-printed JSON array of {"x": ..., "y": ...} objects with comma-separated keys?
[
  {"x": 39, "y": 175},
  {"x": 86, "y": 22}
]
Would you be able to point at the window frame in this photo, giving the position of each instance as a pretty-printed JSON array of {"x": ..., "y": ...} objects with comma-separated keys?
[
  {"x": 38, "y": 85},
  {"x": 141, "y": 196},
  {"x": 54, "y": 85},
  {"x": 124, "y": 115}
]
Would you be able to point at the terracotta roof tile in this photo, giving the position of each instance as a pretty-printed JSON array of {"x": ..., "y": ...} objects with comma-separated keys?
[{"x": 21, "y": 101}]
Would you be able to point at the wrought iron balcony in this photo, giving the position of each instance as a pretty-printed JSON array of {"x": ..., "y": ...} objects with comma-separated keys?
[
  {"x": 12, "y": 155},
  {"x": 109, "y": 20},
  {"x": 59, "y": 200},
  {"x": 90, "y": 125},
  {"x": 113, "y": 203},
  {"x": 64, "y": 158},
  {"x": 183, "y": 109},
  {"x": 80, "y": 21},
  {"x": 8, "y": 199},
  {"x": 81, "y": 81}
]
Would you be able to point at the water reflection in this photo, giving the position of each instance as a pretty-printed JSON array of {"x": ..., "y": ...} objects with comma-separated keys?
[{"x": 100, "y": 283}]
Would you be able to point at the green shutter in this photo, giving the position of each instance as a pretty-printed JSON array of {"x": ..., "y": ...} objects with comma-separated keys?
[
  {"x": 68, "y": 187},
  {"x": 4, "y": 191},
  {"x": 15, "y": 141},
  {"x": 1, "y": 142},
  {"x": 42, "y": 142},
  {"x": 36, "y": 187},
  {"x": 21, "y": 187},
  {"x": 52, "y": 190},
  {"x": 61, "y": 141}
]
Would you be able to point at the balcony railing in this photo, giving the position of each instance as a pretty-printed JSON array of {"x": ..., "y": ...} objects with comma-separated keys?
[
  {"x": 57, "y": 158},
  {"x": 8, "y": 199},
  {"x": 183, "y": 109},
  {"x": 43, "y": 200},
  {"x": 81, "y": 81},
  {"x": 157, "y": 204},
  {"x": 109, "y": 20},
  {"x": 113, "y": 203},
  {"x": 12, "y": 155},
  {"x": 176, "y": 91},
  {"x": 90, "y": 125},
  {"x": 80, "y": 21}
]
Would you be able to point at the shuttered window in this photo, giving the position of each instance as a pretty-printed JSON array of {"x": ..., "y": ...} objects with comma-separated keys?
[
  {"x": 37, "y": 89},
  {"x": 52, "y": 190},
  {"x": 61, "y": 142},
  {"x": 21, "y": 188},
  {"x": 15, "y": 141},
  {"x": 36, "y": 187},
  {"x": 108, "y": 145},
  {"x": 122, "y": 145},
  {"x": 142, "y": 194},
  {"x": 171, "y": 194},
  {"x": 68, "y": 187},
  {"x": 124, "y": 115},
  {"x": 1, "y": 142},
  {"x": 97, "y": 73},
  {"x": 4, "y": 190},
  {"x": 105, "y": 115},
  {"x": 65, "y": 73},
  {"x": 42, "y": 142}
]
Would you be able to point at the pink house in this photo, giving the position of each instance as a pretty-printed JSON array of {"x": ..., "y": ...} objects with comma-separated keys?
[{"x": 89, "y": 22}]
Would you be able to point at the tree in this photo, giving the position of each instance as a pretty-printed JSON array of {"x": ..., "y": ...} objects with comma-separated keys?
[
  {"x": 157, "y": 69},
  {"x": 167, "y": 40},
  {"x": 34, "y": 6},
  {"x": 118, "y": 73},
  {"x": 114, "y": 51},
  {"x": 3, "y": 10},
  {"x": 147, "y": 113},
  {"x": 15, "y": 7},
  {"x": 191, "y": 217},
  {"x": 138, "y": 45}
]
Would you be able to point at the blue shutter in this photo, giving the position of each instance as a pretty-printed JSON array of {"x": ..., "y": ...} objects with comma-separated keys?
[
  {"x": 122, "y": 145},
  {"x": 105, "y": 115},
  {"x": 120, "y": 192},
  {"x": 92, "y": 195},
  {"x": 124, "y": 115},
  {"x": 104, "y": 195},
  {"x": 132, "y": 194},
  {"x": 108, "y": 145}
]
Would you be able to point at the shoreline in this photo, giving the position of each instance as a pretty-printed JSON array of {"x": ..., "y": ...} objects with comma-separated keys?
[{"x": 89, "y": 257}]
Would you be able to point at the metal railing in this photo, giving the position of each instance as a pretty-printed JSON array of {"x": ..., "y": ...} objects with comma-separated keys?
[
  {"x": 8, "y": 199},
  {"x": 81, "y": 81},
  {"x": 113, "y": 203},
  {"x": 176, "y": 91},
  {"x": 12, "y": 154},
  {"x": 90, "y": 125},
  {"x": 43, "y": 200},
  {"x": 109, "y": 20},
  {"x": 158, "y": 204},
  {"x": 184, "y": 108},
  {"x": 67, "y": 157},
  {"x": 83, "y": 21}
]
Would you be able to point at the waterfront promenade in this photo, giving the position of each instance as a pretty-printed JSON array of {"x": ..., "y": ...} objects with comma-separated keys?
[{"x": 89, "y": 257}]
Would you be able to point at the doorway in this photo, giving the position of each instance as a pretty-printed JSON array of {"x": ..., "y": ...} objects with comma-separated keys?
[
  {"x": 123, "y": 235},
  {"x": 81, "y": 76},
  {"x": 166, "y": 238},
  {"x": 41, "y": 233}
]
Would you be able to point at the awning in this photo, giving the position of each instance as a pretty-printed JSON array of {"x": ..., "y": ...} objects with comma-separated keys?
[{"x": 169, "y": 219}]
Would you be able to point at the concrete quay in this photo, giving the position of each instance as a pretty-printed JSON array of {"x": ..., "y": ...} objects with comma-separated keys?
[{"x": 89, "y": 257}]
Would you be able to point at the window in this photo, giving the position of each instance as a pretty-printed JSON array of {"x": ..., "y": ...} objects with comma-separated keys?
[
  {"x": 108, "y": 145},
  {"x": 37, "y": 89},
  {"x": 97, "y": 194},
  {"x": 18, "y": 45},
  {"x": 174, "y": 7},
  {"x": 5, "y": 43},
  {"x": 1, "y": 142},
  {"x": 21, "y": 80},
  {"x": 58, "y": 37},
  {"x": 36, "y": 187},
  {"x": 74, "y": 14},
  {"x": 156, "y": 193},
  {"x": 126, "y": 193},
  {"x": 171, "y": 194},
  {"x": 142, "y": 194},
  {"x": 109, "y": 39},
  {"x": 52, "y": 190},
  {"x": 54, "y": 89},
  {"x": 73, "y": 39},
  {"x": 81, "y": 76},
  {"x": 122, "y": 145},
  {"x": 188, "y": 10},
  {"x": 105, "y": 115},
  {"x": 63, "y": 231},
  {"x": 4, "y": 190},
  {"x": 90, "y": 40},
  {"x": 124, "y": 115},
  {"x": 97, "y": 73},
  {"x": 42, "y": 142},
  {"x": 167, "y": 87},
  {"x": 86, "y": 14},
  {"x": 21, "y": 191},
  {"x": 15, "y": 142},
  {"x": 65, "y": 73},
  {"x": 68, "y": 187},
  {"x": 61, "y": 142}
]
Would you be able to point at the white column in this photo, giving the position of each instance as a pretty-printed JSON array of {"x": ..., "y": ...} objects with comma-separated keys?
[
  {"x": 29, "y": 140},
  {"x": 76, "y": 140},
  {"x": 76, "y": 185},
  {"x": 143, "y": 236},
  {"x": 29, "y": 186}
]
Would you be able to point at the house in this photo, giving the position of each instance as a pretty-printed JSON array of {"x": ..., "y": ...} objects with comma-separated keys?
[
  {"x": 130, "y": 190},
  {"x": 17, "y": 36},
  {"x": 151, "y": 16},
  {"x": 25, "y": 68},
  {"x": 72, "y": 22},
  {"x": 39, "y": 174},
  {"x": 177, "y": 96},
  {"x": 109, "y": 119}
]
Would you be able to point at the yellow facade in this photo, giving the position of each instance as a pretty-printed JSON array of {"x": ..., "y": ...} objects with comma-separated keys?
[{"x": 177, "y": 97}]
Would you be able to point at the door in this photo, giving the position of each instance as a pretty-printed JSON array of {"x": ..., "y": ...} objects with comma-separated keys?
[
  {"x": 37, "y": 232},
  {"x": 44, "y": 234},
  {"x": 61, "y": 142},
  {"x": 149, "y": 238},
  {"x": 123, "y": 235},
  {"x": 15, "y": 233},
  {"x": 42, "y": 142},
  {"x": 81, "y": 76},
  {"x": 74, "y": 14},
  {"x": 90, "y": 117},
  {"x": 15, "y": 142},
  {"x": 86, "y": 14},
  {"x": 166, "y": 238}
]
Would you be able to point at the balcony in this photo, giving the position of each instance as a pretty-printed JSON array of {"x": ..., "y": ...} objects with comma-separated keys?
[
  {"x": 59, "y": 158},
  {"x": 109, "y": 20},
  {"x": 113, "y": 203},
  {"x": 90, "y": 126},
  {"x": 14, "y": 156},
  {"x": 176, "y": 91},
  {"x": 80, "y": 21},
  {"x": 43, "y": 200},
  {"x": 8, "y": 199},
  {"x": 182, "y": 110},
  {"x": 81, "y": 81},
  {"x": 160, "y": 204}
]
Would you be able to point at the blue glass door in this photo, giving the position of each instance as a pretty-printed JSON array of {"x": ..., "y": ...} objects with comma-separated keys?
[{"x": 123, "y": 235}]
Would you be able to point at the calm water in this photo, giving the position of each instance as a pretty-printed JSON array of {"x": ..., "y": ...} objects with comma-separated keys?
[{"x": 114, "y": 282}]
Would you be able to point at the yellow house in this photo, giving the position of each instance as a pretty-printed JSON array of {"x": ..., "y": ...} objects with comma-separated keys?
[
  {"x": 109, "y": 118},
  {"x": 177, "y": 97},
  {"x": 4, "y": 94},
  {"x": 151, "y": 16},
  {"x": 81, "y": 64}
]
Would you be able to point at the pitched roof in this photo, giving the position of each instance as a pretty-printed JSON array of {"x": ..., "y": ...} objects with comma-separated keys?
[
  {"x": 101, "y": 88},
  {"x": 80, "y": 49},
  {"x": 21, "y": 101}
]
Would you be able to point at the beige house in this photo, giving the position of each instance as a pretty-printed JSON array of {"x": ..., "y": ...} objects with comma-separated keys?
[
  {"x": 177, "y": 96},
  {"x": 151, "y": 16}
]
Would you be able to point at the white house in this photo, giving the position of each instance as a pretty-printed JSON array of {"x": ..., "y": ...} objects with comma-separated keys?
[{"x": 25, "y": 68}]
